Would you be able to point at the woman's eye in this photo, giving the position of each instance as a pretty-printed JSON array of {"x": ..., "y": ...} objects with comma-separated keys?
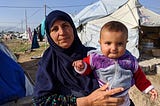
[
  {"x": 65, "y": 26},
  {"x": 54, "y": 29}
]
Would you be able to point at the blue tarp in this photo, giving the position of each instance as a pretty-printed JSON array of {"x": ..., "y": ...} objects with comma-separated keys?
[
  {"x": 43, "y": 27},
  {"x": 12, "y": 79},
  {"x": 4, "y": 48}
]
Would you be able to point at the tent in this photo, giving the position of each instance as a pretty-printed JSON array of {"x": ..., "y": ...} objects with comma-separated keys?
[
  {"x": 130, "y": 12},
  {"x": 12, "y": 77},
  {"x": 5, "y": 49}
]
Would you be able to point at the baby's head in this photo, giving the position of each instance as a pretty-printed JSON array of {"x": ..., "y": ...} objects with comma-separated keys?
[{"x": 113, "y": 39}]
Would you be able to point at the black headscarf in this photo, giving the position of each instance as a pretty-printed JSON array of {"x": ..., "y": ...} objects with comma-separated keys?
[{"x": 56, "y": 73}]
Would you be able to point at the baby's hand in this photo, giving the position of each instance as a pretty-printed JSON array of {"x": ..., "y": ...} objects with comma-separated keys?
[
  {"x": 154, "y": 94},
  {"x": 79, "y": 65}
]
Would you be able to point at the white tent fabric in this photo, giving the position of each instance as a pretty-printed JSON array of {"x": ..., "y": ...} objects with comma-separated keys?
[
  {"x": 97, "y": 10},
  {"x": 148, "y": 17},
  {"x": 130, "y": 14}
]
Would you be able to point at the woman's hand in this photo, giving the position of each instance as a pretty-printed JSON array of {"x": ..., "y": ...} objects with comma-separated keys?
[{"x": 101, "y": 97}]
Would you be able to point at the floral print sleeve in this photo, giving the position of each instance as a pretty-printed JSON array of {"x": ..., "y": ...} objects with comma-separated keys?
[{"x": 55, "y": 100}]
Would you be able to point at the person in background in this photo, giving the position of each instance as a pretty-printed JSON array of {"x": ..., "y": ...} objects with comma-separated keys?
[
  {"x": 57, "y": 83},
  {"x": 114, "y": 64}
]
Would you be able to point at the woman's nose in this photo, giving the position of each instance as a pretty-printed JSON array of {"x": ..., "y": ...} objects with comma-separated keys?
[{"x": 61, "y": 31}]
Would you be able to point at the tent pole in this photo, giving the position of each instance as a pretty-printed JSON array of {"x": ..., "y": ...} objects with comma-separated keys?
[{"x": 45, "y": 30}]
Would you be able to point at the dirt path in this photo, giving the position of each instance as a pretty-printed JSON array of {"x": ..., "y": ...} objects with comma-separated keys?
[
  {"x": 141, "y": 99},
  {"x": 29, "y": 65}
]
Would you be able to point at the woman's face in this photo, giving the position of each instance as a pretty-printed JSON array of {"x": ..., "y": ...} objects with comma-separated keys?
[{"x": 62, "y": 34}]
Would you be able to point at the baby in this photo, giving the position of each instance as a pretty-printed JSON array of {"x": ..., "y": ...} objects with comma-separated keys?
[{"x": 114, "y": 64}]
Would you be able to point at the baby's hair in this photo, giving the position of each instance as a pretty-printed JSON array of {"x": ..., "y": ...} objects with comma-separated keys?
[{"x": 115, "y": 26}]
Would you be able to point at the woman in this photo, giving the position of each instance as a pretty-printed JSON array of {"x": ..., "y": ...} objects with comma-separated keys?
[{"x": 56, "y": 81}]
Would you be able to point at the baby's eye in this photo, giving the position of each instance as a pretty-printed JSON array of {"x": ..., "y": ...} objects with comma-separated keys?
[
  {"x": 107, "y": 43},
  {"x": 120, "y": 44}
]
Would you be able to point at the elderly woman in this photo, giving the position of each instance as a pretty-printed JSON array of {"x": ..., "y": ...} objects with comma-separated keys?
[{"x": 56, "y": 81}]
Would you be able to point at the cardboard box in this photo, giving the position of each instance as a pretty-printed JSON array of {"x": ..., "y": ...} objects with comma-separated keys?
[
  {"x": 156, "y": 52},
  {"x": 158, "y": 69}
]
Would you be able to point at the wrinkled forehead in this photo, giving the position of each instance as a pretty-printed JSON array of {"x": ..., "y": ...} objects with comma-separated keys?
[
  {"x": 57, "y": 19},
  {"x": 59, "y": 22}
]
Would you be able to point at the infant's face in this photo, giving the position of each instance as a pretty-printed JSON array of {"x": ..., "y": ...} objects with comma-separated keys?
[{"x": 113, "y": 44}]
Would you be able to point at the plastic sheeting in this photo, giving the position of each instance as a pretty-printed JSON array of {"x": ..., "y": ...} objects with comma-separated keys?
[
  {"x": 97, "y": 10},
  {"x": 130, "y": 14},
  {"x": 7, "y": 51}
]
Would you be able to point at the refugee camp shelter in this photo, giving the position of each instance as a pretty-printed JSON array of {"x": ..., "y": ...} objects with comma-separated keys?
[
  {"x": 142, "y": 23},
  {"x": 6, "y": 50},
  {"x": 9, "y": 70}
]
